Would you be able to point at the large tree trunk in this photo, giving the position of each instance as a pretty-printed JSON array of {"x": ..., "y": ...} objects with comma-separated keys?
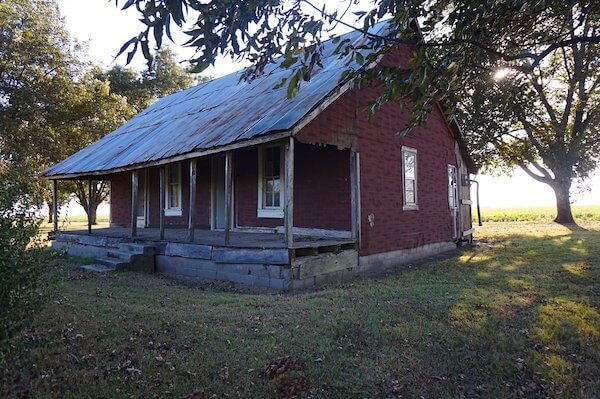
[
  {"x": 562, "y": 189},
  {"x": 93, "y": 213},
  {"x": 50, "y": 211}
]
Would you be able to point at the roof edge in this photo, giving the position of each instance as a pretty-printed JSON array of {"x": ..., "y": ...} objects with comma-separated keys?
[{"x": 266, "y": 138}]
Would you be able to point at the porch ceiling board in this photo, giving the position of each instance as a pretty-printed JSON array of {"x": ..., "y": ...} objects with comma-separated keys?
[{"x": 211, "y": 115}]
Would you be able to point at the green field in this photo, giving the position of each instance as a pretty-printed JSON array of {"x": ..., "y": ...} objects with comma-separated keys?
[
  {"x": 537, "y": 214},
  {"x": 518, "y": 315}
]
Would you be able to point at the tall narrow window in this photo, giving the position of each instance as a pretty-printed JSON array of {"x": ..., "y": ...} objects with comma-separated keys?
[
  {"x": 409, "y": 177},
  {"x": 452, "y": 187},
  {"x": 270, "y": 184},
  {"x": 173, "y": 193}
]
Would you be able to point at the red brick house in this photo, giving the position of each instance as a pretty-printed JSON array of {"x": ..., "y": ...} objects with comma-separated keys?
[{"x": 234, "y": 181}]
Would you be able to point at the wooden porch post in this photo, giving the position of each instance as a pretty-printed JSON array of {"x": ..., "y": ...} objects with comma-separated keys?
[
  {"x": 55, "y": 207},
  {"x": 355, "y": 194},
  {"x": 192, "y": 205},
  {"x": 228, "y": 192},
  {"x": 134, "y": 202},
  {"x": 161, "y": 202},
  {"x": 289, "y": 193},
  {"x": 89, "y": 205}
]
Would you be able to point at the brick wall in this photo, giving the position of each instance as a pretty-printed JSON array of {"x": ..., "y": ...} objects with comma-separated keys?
[
  {"x": 385, "y": 225},
  {"x": 321, "y": 192}
]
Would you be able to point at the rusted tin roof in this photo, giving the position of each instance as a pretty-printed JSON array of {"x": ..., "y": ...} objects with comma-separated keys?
[{"x": 211, "y": 115}]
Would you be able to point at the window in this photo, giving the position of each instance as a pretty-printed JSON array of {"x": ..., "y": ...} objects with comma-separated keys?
[
  {"x": 452, "y": 187},
  {"x": 409, "y": 177},
  {"x": 270, "y": 182},
  {"x": 173, "y": 192}
]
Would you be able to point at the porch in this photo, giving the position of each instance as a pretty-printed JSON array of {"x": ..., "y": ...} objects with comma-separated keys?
[
  {"x": 237, "y": 239},
  {"x": 282, "y": 215},
  {"x": 259, "y": 259},
  {"x": 281, "y": 194}
]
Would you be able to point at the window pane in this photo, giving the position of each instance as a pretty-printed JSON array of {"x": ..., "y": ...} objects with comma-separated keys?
[
  {"x": 410, "y": 197},
  {"x": 271, "y": 177},
  {"x": 173, "y": 186},
  {"x": 276, "y": 161},
  {"x": 409, "y": 165}
]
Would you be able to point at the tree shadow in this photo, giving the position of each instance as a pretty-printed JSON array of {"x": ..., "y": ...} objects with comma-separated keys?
[{"x": 516, "y": 317}]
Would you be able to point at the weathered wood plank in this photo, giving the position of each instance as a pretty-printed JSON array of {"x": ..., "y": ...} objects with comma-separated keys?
[
  {"x": 228, "y": 194},
  {"x": 289, "y": 193},
  {"x": 196, "y": 251},
  {"x": 134, "y": 201},
  {"x": 161, "y": 203},
  {"x": 354, "y": 194},
  {"x": 55, "y": 203},
  {"x": 467, "y": 232},
  {"x": 89, "y": 206},
  {"x": 248, "y": 255},
  {"x": 192, "y": 204},
  {"x": 325, "y": 263}
]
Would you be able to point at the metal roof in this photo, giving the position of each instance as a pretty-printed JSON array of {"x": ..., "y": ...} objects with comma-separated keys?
[{"x": 211, "y": 115}]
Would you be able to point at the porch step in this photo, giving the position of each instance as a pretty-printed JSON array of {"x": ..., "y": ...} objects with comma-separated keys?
[
  {"x": 120, "y": 254},
  {"x": 136, "y": 248},
  {"x": 114, "y": 263},
  {"x": 98, "y": 268}
]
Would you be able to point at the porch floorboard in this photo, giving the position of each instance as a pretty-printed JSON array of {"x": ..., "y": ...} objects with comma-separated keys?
[{"x": 238, "y": 239}]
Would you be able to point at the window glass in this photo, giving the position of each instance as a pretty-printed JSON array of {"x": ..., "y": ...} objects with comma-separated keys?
[
  {"x": 409, "y": 172},
  {"x": 174, "y": 186},
  {"x": 272, "y": 177},
  {"x": 452, "y": 187}
]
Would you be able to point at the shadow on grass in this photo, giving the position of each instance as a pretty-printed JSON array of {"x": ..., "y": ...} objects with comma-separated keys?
[
  {"x": 516, "y": 316},
  {"x": 532, "y": 307}
]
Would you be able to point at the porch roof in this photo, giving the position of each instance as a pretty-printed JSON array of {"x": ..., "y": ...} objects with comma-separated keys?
[{"x": 209, "y": 117}]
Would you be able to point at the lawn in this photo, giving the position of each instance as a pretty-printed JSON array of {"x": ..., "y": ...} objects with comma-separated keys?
[
  {"x": 582, "y": 213},
  {"x": 517, "y": 315}
]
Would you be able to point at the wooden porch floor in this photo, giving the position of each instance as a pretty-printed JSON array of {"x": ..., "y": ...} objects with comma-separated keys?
[{"x": 239, "y": 239}]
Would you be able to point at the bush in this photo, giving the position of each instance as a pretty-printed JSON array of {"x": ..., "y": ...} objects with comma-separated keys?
[{"x": 20, "y": 268}]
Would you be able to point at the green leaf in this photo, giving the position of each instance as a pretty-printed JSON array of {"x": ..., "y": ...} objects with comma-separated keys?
[{"x": 292, "y": 89}]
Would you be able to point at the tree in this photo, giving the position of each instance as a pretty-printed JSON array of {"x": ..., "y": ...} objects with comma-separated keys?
[
  {"x": 36, "y": 65},
  {"x": 88, "y": 112},
  {"x": 545, "y": 122},
  {"x": 52, "y": 104},
  {"x": 458, "y": 46},
  {"x": 108, "y": 98},
  {"x": 165, "y": 76}
]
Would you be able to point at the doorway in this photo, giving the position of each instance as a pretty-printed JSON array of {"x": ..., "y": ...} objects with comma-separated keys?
[{"x": 142, "y": 205}]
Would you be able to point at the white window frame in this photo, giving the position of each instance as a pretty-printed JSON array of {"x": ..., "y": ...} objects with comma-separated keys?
[
  {"x": 264, "y": 211},
  {"x": 412, "y": 206},
  {"x": 173, "y": 210},
  {"x": 451, "y": 190}
]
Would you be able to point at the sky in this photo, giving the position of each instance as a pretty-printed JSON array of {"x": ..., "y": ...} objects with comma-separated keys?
[{"x": 104, "y": 28}]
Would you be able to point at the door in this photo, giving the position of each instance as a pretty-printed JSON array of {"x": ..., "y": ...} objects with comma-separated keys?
[
  {"x": 218, "y": 193},
  {"x": 453, "y": 199},
  {"x": 142, "y": 206}
]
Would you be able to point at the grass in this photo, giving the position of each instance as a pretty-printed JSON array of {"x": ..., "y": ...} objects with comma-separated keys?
[
  {"x": 537, "y": 214},
  {"x": 517, "y": 315}
]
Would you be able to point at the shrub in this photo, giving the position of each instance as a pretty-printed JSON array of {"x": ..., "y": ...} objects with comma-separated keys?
[{"x": 20, "y": 268}]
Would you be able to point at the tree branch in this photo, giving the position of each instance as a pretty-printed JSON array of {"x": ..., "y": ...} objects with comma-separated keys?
[{"x": 537, "y": 177}]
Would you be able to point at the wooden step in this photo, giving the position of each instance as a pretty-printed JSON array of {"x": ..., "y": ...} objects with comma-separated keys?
[
  {"x": 115, "y": 263},
  {"x": 120, "y": 254},
  {"x": 98, "y": 268},
  {"x": 144, "y": 249}
]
